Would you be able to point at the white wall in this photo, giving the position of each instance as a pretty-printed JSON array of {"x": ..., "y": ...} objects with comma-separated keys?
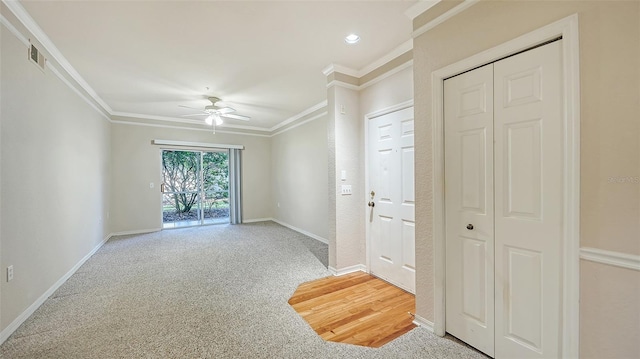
[
  {"x": 299, "y": 177},
  {"x": 136, "y": 163},
  {"x": 55, "y": 168}
]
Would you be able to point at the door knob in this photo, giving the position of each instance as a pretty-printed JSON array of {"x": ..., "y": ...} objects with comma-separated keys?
[
  {"x": 469, "y": 226},
  {"x": 371, "y": 204}
]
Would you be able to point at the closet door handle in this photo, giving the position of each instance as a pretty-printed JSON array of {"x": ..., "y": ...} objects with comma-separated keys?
[{"x": 469, "y": 226}]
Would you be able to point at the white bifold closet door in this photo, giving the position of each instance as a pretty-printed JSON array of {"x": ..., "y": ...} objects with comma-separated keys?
[{"x": 504, "y": 141}]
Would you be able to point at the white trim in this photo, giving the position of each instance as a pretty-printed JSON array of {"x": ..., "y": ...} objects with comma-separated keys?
[
  {"x": 320, "y": 115},
  {"x": 617, "y": 259},
  {"x": 53, "y": 69},
  {"x": 444, "y": 17},
  {"x": 14, "y": 30},
  {"x": 302, "y": 231},
  {"x": 331, "y": 68},
  {"x": 137, "y": 231},
  {"x": 343, "y": 84},
  {"x": 187, "y": 128},
  {"x": 423, "y": 323},
  {"x": 568, "y": 29},
  {"x": 23, "y": 16},
  {"x": 388, "y": 57},
  {"x": 419, "y": 8},
  {"x": 159, "y": 118},
  {"x": 195, "y": 144},
  {"x": 254, "y": 220},
  {"x": 74, "y": 89},
  {"x": 186, "y": 120},
  {"x": 6, "y": 333},
  {"x": 347, "y": 270},
  {"x": 393, "y": 54},
  {"x": 373, "y": 81},
  {"x": 385, "y": 75},
  {"x": 306, "y": 112},
  {"x": 388, "y": 110}
]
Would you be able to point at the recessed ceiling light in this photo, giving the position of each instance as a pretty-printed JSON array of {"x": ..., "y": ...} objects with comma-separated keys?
[{"x": 352, "y": 39}]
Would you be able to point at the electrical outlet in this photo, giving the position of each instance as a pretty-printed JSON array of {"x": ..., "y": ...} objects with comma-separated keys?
[
  {"x": 9, "y": 273},
  {"x": 346, "y": 189}
]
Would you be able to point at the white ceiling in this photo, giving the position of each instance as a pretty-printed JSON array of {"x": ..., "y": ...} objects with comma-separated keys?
[{"x": 265, "y": 58}]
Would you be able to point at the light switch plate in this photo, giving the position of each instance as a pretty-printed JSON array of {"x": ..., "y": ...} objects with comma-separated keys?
[{"x": 346, "y": 189}]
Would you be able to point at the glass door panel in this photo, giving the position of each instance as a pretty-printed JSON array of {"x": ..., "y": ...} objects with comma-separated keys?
[
  {"x": 215, "y": 179},
  {"x": 195, "y": 188}
]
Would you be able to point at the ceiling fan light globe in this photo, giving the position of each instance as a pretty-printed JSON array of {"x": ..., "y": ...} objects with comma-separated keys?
[
  {"x": 209, "y": 120},
  {"x": 218, "y": 120}
]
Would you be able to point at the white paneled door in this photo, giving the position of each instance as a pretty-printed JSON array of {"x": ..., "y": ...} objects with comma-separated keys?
[
  {"x": 504, "y": 141},
  {"x": 391, "y": 218},
  {"x": 469, "y": 207}
]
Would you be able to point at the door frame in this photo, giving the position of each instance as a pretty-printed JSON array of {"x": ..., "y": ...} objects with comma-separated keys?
[
  {"x": 370, "y": 116},
  {"x": 566, "y": 28}
]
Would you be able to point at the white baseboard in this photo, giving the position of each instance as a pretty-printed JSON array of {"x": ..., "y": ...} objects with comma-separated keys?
[
  {"x": 618, "y": 259},
  {"x": 257, "y": 220},
  {"x": 347, "y": 270},
  {"x": 422, "y": 322},
  {"x": 306, "y": 233},
  {"x": 4, "y": 335},
  {"x": 138, "y": 231}
]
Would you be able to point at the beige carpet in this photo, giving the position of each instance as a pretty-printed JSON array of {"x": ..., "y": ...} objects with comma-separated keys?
[{"x": 209, "y": 292}]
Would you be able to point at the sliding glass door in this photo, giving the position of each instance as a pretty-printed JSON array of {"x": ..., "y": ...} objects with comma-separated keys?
[{"x": 195, "y": 189}]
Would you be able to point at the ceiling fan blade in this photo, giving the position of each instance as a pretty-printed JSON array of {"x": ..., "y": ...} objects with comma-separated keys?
[
  {"x": 225, "y": 110},
  {"x": 193, "y": 108},
  {"x": 236, "y": 117}
]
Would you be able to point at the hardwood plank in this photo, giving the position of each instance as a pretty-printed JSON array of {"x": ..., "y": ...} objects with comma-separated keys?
[{"x": 356, "y": 308}]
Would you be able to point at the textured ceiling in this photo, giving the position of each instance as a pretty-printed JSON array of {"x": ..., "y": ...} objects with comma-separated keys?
[{"x": 264, "y": 58}]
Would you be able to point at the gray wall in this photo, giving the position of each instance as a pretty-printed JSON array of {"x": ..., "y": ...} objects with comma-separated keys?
[
  {"x": 55, "y": 173},
  {"x": 299, "y": 177},
  {"x": 347, "y": 242},
  {"x": 136, "y": 163}
]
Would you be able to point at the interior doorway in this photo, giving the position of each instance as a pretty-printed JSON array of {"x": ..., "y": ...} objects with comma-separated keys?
[{"x": 195, "y": 188}]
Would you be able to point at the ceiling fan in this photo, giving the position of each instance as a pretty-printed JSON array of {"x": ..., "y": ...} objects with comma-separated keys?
[{"x": 216, "y": 111}]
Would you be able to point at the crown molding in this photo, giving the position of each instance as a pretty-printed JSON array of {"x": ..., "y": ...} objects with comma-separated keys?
[
  {"x": 344, "y": 84},
  {"x": 320, "y": 115},
  {"x": 444, "y": 17},
  {"x": 373, "y": 81},
  {"x": 420, "y": 7},
  {"x": 401, "y": 49},
  {"x": 14, "y": 30},
  {"x": 389, "y": 73},
  {"x": 184, "y": 121},
  {"x": 218, "y": 130},
  {"x": 30, "y": 24},
  {"x": 341, "y": 69},
  {"x": 300, "y": 115},
  {"x": 101, "y": 111}
]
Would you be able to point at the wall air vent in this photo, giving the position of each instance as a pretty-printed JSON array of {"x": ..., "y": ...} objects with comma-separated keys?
[{"x": 36, "y": 56}]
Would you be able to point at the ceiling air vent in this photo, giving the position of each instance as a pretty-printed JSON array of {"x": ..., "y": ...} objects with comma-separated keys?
[{"x": 36, "y": 57}]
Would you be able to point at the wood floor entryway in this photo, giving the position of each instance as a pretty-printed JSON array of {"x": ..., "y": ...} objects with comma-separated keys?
[{"x": 356, "y": 308}]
